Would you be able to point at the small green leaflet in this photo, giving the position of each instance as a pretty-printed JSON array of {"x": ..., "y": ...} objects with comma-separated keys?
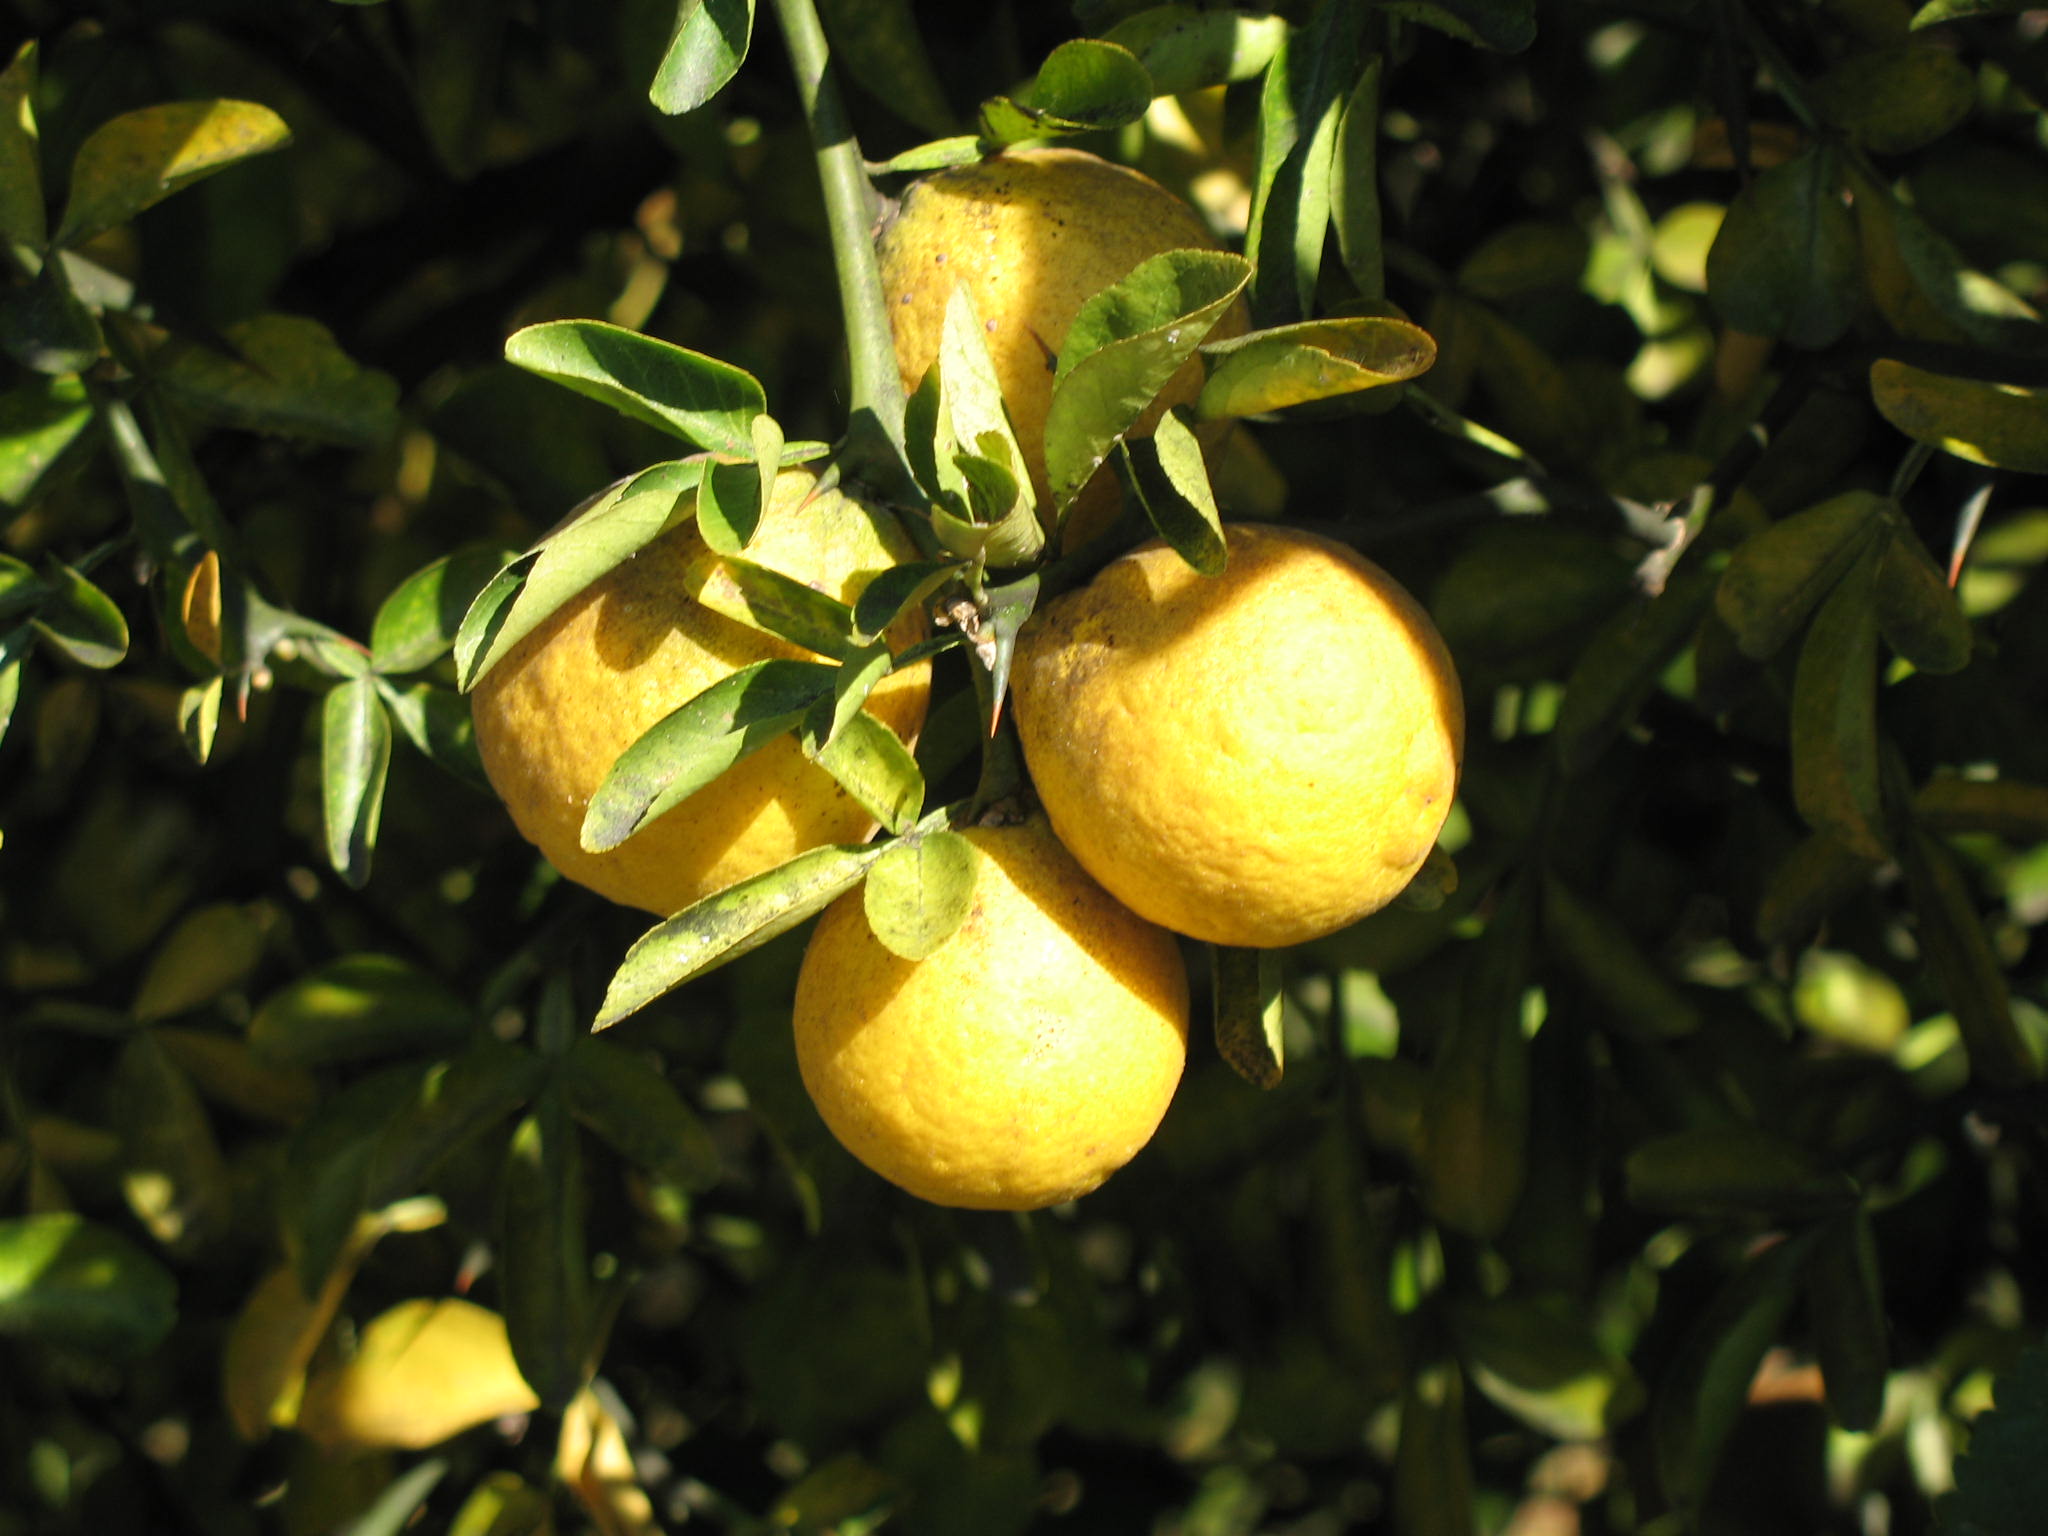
[
  {"x": 1124, "y": 345},
  {"x": 1172, "y": 482},
  {"x": 698, "y": 741},
  {"x": 709, "y": 45},
  {"x": 919, "y": 891},
  {"x": 355, "y": 758},
  {"x": 1316, "y": 360},
  {"x": 730, "y": 923},
  {"x": 1084, "y": 85},
  {"x": 607, "y": 530},
  {"x": 697, "y": 398}
]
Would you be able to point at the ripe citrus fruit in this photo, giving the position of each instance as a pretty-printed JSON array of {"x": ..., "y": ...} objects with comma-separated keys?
[
  {"x": 555, "y": 713},
  {"x": 1257, "y": 758},
  {"x": 1020, "y": 1064},
  {"x": 1034, "y": 233}
]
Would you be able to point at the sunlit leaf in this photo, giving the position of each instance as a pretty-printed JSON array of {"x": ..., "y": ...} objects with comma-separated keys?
[
  {"x": 709, "y": 45},
  {"x": 1084, "y": 84},
  {"x": 423, "y": 1371},
  {"x": 1300, "y": 108},
  {"x": 39, "y": 420},
  {"x": 918, "y": 892},
  {"x": 1172, "y": 481},
  {"x": 699, "y": 740},
  {"x": 1189, "y": 48},
  {"x": 1315, "y": 360},
  {"x": 605, "y": 531},
  {"x": 139, "y": 158},
  {"x": 417, "y": 624},
  {"x": 775, "y": 604},
  {"x": 691, "y": 396},
  {"x": 355, "y": 758},
  {"x": 870, "y": 762},
  {"x": 729, "y": 923}
]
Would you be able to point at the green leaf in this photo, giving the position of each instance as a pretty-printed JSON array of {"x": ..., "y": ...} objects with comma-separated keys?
[
  {"x": 1733, "y": 1168},
  {"x": 1506, "y": 26},
  {"x": 1540, "y": 1361},
  {"x": 212, "y": 949},
  {"x": 1951, "y": 934},
  {"x": 39, "y": 420},
  {"x": 686, "y": 394},
  {"x": 199, "y": 716},
  {"x": 543, "y": 1267},
  {"x": 1355, "y": 184},
  {"x": 355, "y": 759},
  {"x": 919, "y": 890},
  {"x": 417, "y": 624},
  {"x": 13, "y": 646},
  {"x": 774, "y": 604},
  {"x": 1248, "y": 1005},
  {"x": 45, "y": 327},
  {"x": 964, "y": 453},
  {"x": 1834, "y": 716},
  {"x": 1779, "y": 575},
  {"x": 622, "y": 1097},
  {"x": 1185, "y": 48},
  {"x": 23, "y": 219},
  {"x": 139, "y": 158},
  {"x": 1894, "y": 100},
  {"x": 1172, "y": 481},
  {"x": 1124, "y": 345},
  {"x": 879, "y": 43},
  {"x": 704, "y": 53},
  {"x": 1705, "y": 1387},
  {"x": 1917, "y": 611},
  {"x": 871, "y": 763},
  {"x": 503, "y": 1504},
  {"x": 1851, "y": 1333},
  {"x": 2002, "y": 1482},
  {"x": 439, "y": 724},
  {"x": 355, "y": 1008},
  {"x": 730, "y": 501},
  {"x": 172, "y": 1172},
  {"x": 323, "y": 1180},
  {"x": 1301, "y": 106},
  {"x": 1920, "y": 283},
  {"x": 2002, "y": 425},
  {"x": 2008, "y": 808},
  {"x": 1083, "y": 85},
  {"x": 79, "y": 619},
  {"x": 699, "y": 740},
  {"x": 1786, "y": 262},
  {"x": 69, "y": 1283},
  {"x": 1314, "y": 360},
  {"x": 897, "y": 590},
  {"x": 604, "y": 532},
  {"x": 730, "y": 923},
  {"x": 279, "y": 374}
]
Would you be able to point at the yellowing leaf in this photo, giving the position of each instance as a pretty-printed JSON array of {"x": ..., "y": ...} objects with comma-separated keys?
[
  {"x": 425, "y": 1370},
  {"x": 2003, "y": 425},
  {"x": 139, "y": 158},
  {"x": 263, "y": 1371},
  {"x": 592, "y": 1459}
]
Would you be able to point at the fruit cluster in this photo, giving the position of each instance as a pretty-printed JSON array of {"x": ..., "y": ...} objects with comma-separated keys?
[{"x": 1253, "y": 758}]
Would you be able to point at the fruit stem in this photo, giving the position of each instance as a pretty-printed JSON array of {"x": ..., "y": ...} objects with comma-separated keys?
[{"x": 875, "y": 424}]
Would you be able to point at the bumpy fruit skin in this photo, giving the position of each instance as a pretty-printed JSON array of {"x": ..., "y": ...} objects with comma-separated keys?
[
  {"x": 1257, "y": 758},
  {"x": 556, "y": 712},
  {"x": 1034, "y": 233},
  {"x": 1019, "y": 1065}
]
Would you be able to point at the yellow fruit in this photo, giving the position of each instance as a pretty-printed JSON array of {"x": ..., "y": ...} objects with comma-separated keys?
[
  {"x": 1019, "y": 1065},
  {"x": 556, "y": 712},
  {"x": 1033, "y": 233},
  {"x": 1257, "y": 758}
]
